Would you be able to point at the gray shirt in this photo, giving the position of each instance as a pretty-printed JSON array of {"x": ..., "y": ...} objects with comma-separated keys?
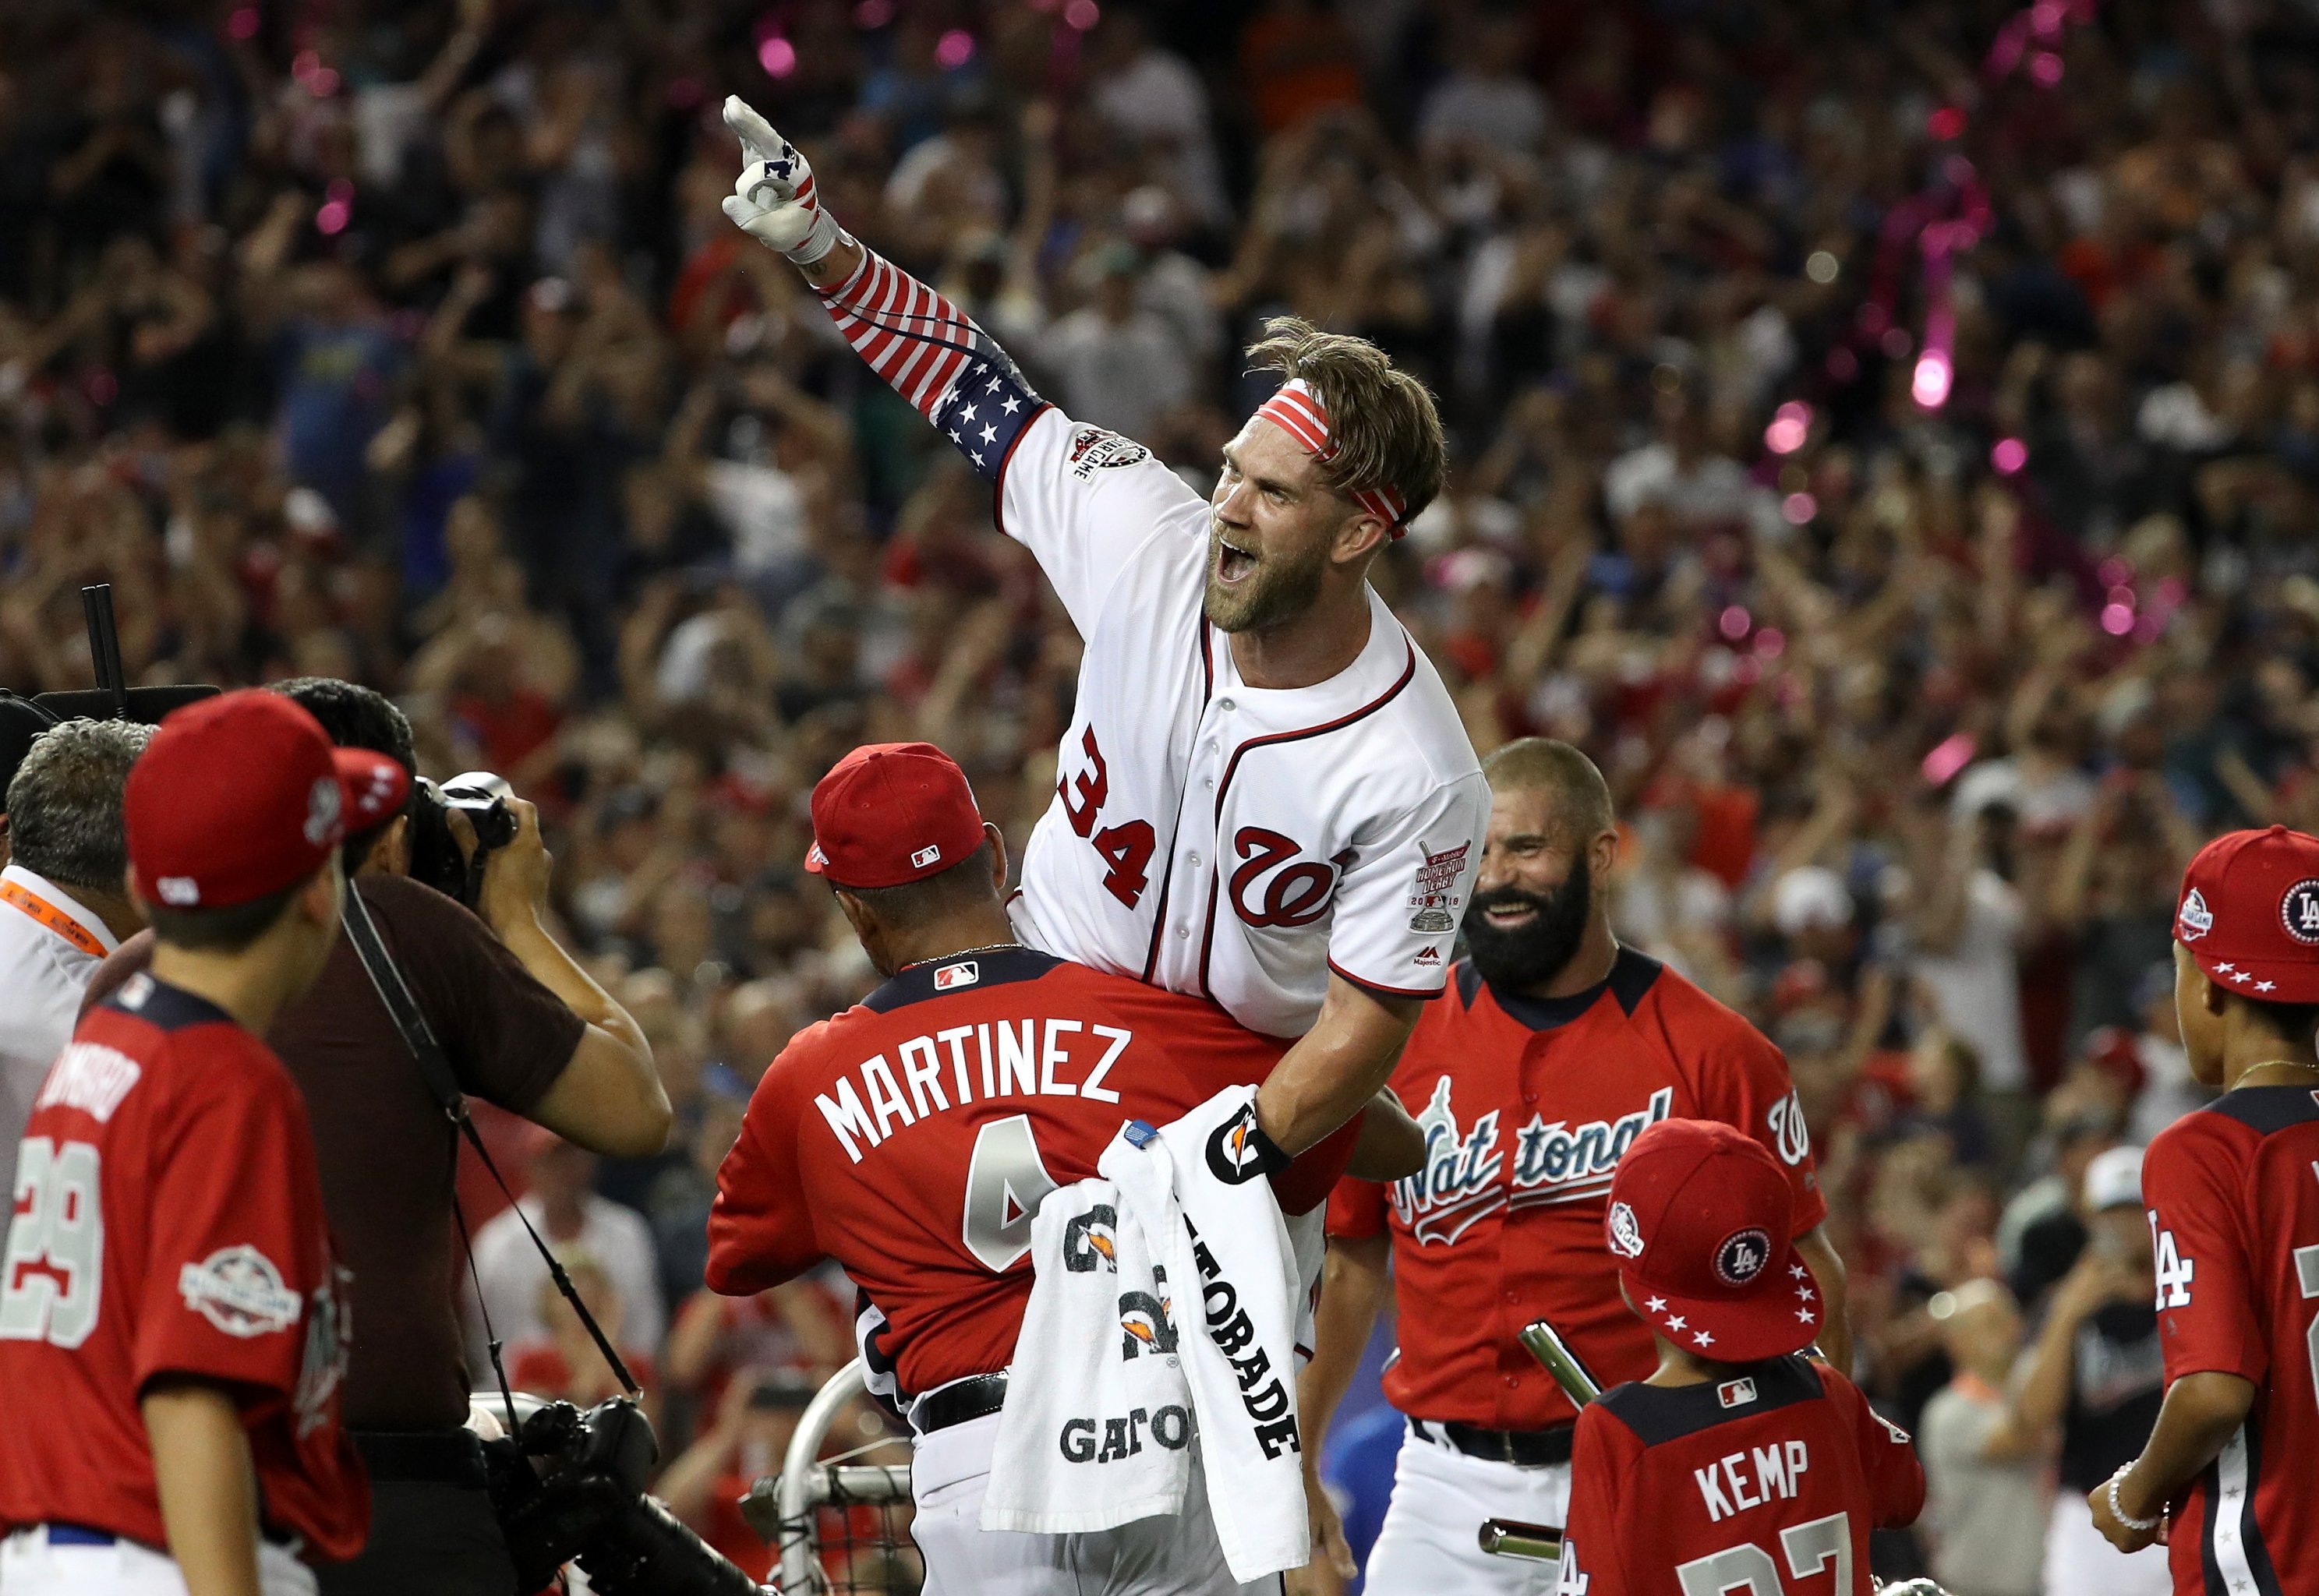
[{"x": 1987, "y": 1516}]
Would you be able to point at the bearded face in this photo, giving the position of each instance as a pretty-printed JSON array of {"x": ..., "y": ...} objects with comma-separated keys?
[{"x": 1519, "y": 937}]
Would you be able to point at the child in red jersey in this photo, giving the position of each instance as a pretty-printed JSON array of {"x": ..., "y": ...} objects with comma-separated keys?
[
  {"x": 1738, "y": 1466},
  {"x": 2233, "y": 1192},
  {"x": 173, "y": 1330}
]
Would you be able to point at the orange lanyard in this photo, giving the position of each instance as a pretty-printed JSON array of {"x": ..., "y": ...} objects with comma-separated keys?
[{"x": 40, "y": 908}]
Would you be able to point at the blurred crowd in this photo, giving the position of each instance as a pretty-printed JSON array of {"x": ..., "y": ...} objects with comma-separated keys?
[{"x": 403, "y": 340}]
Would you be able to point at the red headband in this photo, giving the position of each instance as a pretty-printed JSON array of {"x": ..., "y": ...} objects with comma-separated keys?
[{"x": 1297, "y": 410}]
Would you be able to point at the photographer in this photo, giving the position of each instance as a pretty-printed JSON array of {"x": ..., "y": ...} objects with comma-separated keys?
[{"x": 526, "y": 1029}]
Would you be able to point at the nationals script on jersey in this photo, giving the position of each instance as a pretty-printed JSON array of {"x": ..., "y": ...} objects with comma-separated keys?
[{"x": 1224, "y": 841}]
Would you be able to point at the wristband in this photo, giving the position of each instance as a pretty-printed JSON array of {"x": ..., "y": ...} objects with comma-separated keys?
[
  {"x": 2139, "y": 1526},
  {"x": 819, "y": 241}
]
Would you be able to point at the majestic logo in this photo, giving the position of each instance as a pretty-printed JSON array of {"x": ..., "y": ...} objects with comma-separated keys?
[
  {"x": 1626, "y": 1231},
  {"x": 2298, "y": 911},
  {"x": 322, "y": 801},
  {"x": 2195, "y": 918},
  {"x": 950, "y": 977},
  {"x": 1429, "y": 959},
  {"x": 1093, "y": 449},
  {"x": 1433, "y": 897},
  {"x": 927, "y": 855},
  {"x": 238, "y": 1290},
  {"x": 1742, "y": 1256},
  {"x": 1736, "y": 1393},
  {"x": 1464, "y": 1175}
]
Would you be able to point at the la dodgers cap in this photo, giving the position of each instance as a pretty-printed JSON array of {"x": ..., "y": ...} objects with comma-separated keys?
[
  {"x": 2248, "y": 914},
  {"x": 1699, "y": 1220},
  {"x": 889, "y": 814},
  {"x": 242, "y": 794}
]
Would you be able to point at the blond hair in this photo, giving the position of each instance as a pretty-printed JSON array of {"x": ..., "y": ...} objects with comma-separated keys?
[{"x": 1383, "y": 426}]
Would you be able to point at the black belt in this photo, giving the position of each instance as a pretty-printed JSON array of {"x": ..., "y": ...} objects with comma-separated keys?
[
  {"x": 423, "y": 1457},
  {"x": 976, "y": 1397},
  {"x": 1529, "y": 1448}
]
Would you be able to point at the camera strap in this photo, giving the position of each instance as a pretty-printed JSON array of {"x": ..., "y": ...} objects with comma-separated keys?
[{"x": 443, "y": 1083}]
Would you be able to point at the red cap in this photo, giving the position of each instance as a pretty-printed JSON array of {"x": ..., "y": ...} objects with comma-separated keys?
[
  {"x": 891, "y": 812},
  {"x": 2250, "y": 914},
  {"x": 242, "y": 794},
  {"x": 1700, "y": 1219}
]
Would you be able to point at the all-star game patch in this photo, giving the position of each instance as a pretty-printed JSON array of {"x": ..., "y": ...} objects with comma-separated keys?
[
  {"x": 1093, "y": 449},
  {"x": 1433, "y": 905}
]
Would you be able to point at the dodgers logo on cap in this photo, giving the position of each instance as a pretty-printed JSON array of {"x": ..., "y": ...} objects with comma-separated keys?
[
  {"x": 2298, "y": 911},
  {"x": 2195, "y": 919},
  {"x": 1742, "y": 1256},
  {"x": 1626, "y": 1232}
]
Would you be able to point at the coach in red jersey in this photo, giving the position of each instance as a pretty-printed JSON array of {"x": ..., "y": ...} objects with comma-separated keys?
[
  {"x": 912, "y": 1137},
  {"x": 1736, "y": 1464},
  {"x": 1553, "y": 1049},
  {"x": 172, "y": 1321},
  {"x": 2232, "y": 1191}
]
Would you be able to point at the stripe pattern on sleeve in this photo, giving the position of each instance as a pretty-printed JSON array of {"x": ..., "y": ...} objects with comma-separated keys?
[{"x": 932, "y": 354}]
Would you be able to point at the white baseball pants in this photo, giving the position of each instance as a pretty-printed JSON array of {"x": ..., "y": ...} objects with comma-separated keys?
[
  {"x": 2079, "y": 1563},
  {"x": 951, "y": 1470},
  {"x": 1431, "y": 1542},
  {"x": 31, "y": 1566}
]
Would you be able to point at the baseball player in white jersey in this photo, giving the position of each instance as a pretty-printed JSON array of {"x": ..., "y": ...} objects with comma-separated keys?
[{"x": 1266, "y": 797}]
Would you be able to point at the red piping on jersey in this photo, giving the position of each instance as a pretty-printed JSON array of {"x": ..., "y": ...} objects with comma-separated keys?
[
  {"x": 999, "y": 482},
  {"x": 1381, "y": 986},
  {"x": 1167, "y": 876},
  {"x": 1409, "y": 672}
]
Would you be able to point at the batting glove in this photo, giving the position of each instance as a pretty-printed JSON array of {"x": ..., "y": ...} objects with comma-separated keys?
[{"x": 774, "y": 200}]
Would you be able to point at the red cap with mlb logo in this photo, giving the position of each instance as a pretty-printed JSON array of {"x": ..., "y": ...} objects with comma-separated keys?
[
  {"x": 889, "y": 814},
  {"x": 1699, "y": 1220},
  {"x": 242, "y": 794},
  {"x": 2250, "y": 914}
]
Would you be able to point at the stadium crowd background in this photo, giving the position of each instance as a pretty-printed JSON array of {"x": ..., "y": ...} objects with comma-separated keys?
[{"x": 405, "y": 342}]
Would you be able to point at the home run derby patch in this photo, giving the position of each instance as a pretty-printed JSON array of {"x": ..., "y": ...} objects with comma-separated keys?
[{"x": 238, "y": 1290}]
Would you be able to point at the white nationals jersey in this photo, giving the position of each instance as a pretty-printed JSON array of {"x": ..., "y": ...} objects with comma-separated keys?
[{"x": 1228, "y": 841}]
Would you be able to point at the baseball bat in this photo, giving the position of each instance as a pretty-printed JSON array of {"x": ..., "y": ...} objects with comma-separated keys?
[
  {"x": 1546, "y": 1344},
  {"x": 1511, "y": 1537}
]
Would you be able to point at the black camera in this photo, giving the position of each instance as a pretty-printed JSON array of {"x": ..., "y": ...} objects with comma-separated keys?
[
  {"x": 437, "y": 859},
  {"x": 570, "y": 1487}
]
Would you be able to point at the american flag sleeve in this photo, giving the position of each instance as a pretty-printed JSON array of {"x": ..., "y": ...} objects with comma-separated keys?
[{"x": 932, "y": 354}]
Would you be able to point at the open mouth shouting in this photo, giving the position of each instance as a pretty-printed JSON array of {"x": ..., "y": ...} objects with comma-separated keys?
[{"x": 1232, "y": 563}]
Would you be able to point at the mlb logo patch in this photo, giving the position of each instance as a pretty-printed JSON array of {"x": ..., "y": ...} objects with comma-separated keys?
[
  {"x": 952, "y": 976},
  {"x": 925, "y": 856},
  {"x": 1736, "y": 1393}
]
